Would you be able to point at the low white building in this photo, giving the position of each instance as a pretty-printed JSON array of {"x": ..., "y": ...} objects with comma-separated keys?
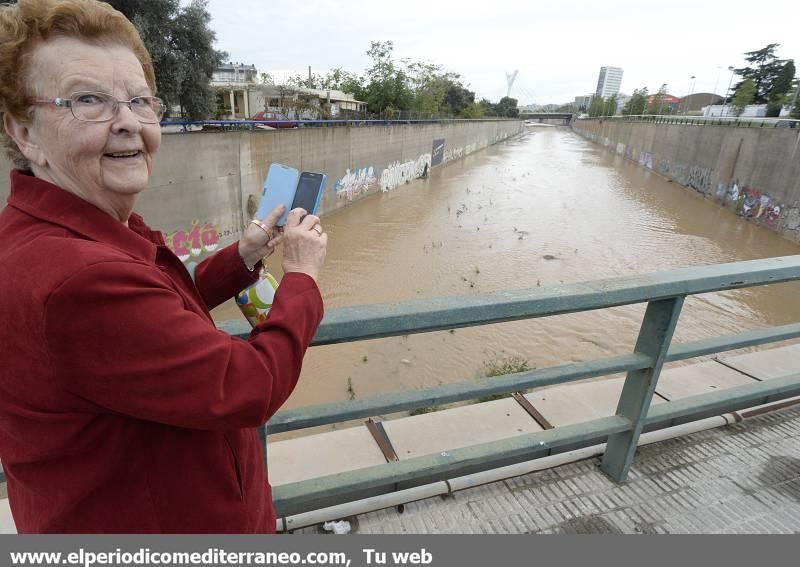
[
  {"x": 303, "y": 103},
  {"x": 233, "y": 83},
  {"x": 241, "y": 96},
  {"x": 750, "y": 111}
]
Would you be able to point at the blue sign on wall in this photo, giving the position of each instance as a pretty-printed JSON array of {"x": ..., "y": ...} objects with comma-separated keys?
[{"x": 437, "y": 152}]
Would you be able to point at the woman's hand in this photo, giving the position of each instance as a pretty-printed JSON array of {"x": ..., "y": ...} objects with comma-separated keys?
[
  {"x": 259, "y": 238},
  {"x": 304, "y": 244}
]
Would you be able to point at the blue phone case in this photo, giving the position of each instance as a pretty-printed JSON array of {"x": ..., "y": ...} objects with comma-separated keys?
[{"x": 279, "y": 188}]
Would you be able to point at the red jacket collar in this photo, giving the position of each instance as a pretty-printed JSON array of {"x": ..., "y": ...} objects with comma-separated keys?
[{"x": 48, "y": 202}]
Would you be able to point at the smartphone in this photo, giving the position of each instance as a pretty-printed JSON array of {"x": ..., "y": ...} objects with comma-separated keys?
[
  {"x": 279, "y": 189},
  {"x": 309, "y": 191}
]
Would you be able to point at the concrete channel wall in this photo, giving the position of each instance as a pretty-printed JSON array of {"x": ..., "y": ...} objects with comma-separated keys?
[
  {"x": 754, "y": 171},
  {"x": 205, "y": 186}
]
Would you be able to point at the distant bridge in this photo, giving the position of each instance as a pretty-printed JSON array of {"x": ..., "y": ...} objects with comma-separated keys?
[{"x": 547, "y": 117}]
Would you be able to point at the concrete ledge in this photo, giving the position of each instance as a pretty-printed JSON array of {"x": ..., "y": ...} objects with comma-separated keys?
[
  {"x": 328, "y": 453},
  {"x": 567, "y": 404},
  {"x": 766, "y": 364},
  {"x": 458, "y": 427},
  {"x": 702, "y": 378}
]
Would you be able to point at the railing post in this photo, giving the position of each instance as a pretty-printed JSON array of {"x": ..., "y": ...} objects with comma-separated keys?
[{"x": 655, "y": 335}]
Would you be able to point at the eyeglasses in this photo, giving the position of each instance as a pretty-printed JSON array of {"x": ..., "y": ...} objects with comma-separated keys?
[{"x": 102, "y": 107}]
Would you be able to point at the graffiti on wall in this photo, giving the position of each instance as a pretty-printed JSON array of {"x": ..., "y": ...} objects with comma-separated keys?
[
  {"x": 358, "y": 181},
  {"x": 355, "y": 182},
  {"x": 791, "y": 219},
  {"x": 733, "y": 193},
  {"x": 197, "y": 241},
  {"x": 696, "y": 177},
  {"x": 629, "y": 152},
  {"x": 754, "y": 204},
  {"x": 398, "y": 173},
  {"x": 646, "y": 160},
  {"x": 453, "y": 153},
  {"x": 747, "y": 202},
  {"x": 699, "y": 178}
]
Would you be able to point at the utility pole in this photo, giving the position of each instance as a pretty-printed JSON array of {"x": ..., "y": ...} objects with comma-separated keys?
[
  {"x": 689, "y": 96},
  {"x": 794, "y": 100},
  {"x": 725, "y": 100}
]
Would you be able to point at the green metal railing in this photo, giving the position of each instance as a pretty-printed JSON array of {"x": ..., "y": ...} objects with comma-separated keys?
[
  {"x": 664, "y": 294},
  {"x": 734, "y": 121}
]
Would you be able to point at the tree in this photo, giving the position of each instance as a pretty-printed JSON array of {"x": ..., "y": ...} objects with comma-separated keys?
[
  {"x": 779, "y": 94},
  {"x": 767, "y": 73},
  {"x": 388, "y": 84},
  {"x": 457, "y": 99},
  {"x": 610, "y": 108},
  {"x": 745, "y": 95},
  {"x": 181, "y": 45},
  {"x": 507, "y": 107},
  {"x": 341, "y": 80},
  {"x": 596, "y": 107},
  {"x": 488, "y": 107},
  {"x": 637, "y": 103},
  {"x": 435, "y": 90},
  {"x": 474, "y": 110},
  {"x": 657, "y": 102}
]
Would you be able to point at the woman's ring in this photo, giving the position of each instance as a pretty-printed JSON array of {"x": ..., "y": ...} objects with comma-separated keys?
[
  {"x": 262, "y": 226},
  {"x": 318, "y": 229}
]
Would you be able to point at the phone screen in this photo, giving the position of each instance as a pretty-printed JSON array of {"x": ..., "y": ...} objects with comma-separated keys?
[{"x": 308, "y": 191}]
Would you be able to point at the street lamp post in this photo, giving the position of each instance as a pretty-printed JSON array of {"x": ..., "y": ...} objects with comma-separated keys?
[
  {"x": 689, "y": 96},
  {"x": 725, "y": 100},
  {"x": 716, "y": 81}
]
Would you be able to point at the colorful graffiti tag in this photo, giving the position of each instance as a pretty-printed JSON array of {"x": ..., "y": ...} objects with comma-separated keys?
[
  {"x": 355, "y": 182},
  {"x": 195, "y": 242},
  {"x": 754, "y": 204}
]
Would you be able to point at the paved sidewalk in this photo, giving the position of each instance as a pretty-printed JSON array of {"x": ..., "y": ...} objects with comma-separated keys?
[{"x": 743, "y": 478}]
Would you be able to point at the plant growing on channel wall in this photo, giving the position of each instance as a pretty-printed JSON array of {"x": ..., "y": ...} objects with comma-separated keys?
[{"x": 500, "y": 366}]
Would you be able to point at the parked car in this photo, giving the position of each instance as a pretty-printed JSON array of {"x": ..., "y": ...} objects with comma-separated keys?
[{"x": 275, "y": 119}]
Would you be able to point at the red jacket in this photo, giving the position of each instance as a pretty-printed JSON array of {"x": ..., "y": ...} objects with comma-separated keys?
[{"x": 122, "y": 407}]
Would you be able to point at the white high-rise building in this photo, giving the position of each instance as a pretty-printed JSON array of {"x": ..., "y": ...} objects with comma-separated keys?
[{"x": 609, "y": 81}]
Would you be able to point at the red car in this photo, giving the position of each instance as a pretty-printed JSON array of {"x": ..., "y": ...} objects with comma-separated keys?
[{"x": 275, "y": 120}]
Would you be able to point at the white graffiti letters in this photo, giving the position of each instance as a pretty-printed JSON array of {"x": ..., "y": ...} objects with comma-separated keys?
[
  {"x": 398, "y": 173},
  {"x": 355, "y": 182},
  {"x": 453, "y": 153}
]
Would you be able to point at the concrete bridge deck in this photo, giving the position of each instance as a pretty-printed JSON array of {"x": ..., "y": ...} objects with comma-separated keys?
[{"x": 740, "y": 478}]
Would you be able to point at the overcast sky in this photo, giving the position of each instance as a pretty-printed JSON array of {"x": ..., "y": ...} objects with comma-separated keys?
[{"x": 558, "y": 47}]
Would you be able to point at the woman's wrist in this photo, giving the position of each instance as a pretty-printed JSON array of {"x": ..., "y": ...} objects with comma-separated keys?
[{"x": 248, "y": 259}]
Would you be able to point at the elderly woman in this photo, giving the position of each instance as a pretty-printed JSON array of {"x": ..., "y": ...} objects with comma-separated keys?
[{"x": 122, "y": 408}]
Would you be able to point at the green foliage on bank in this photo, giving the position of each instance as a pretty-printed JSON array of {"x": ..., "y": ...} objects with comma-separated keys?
[
  {"x": 390, "y": 87},
  {"x": 181, "y": 45}
]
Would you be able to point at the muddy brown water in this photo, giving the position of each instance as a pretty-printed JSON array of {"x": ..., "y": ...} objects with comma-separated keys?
[{"x": 541, "y": 209}]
